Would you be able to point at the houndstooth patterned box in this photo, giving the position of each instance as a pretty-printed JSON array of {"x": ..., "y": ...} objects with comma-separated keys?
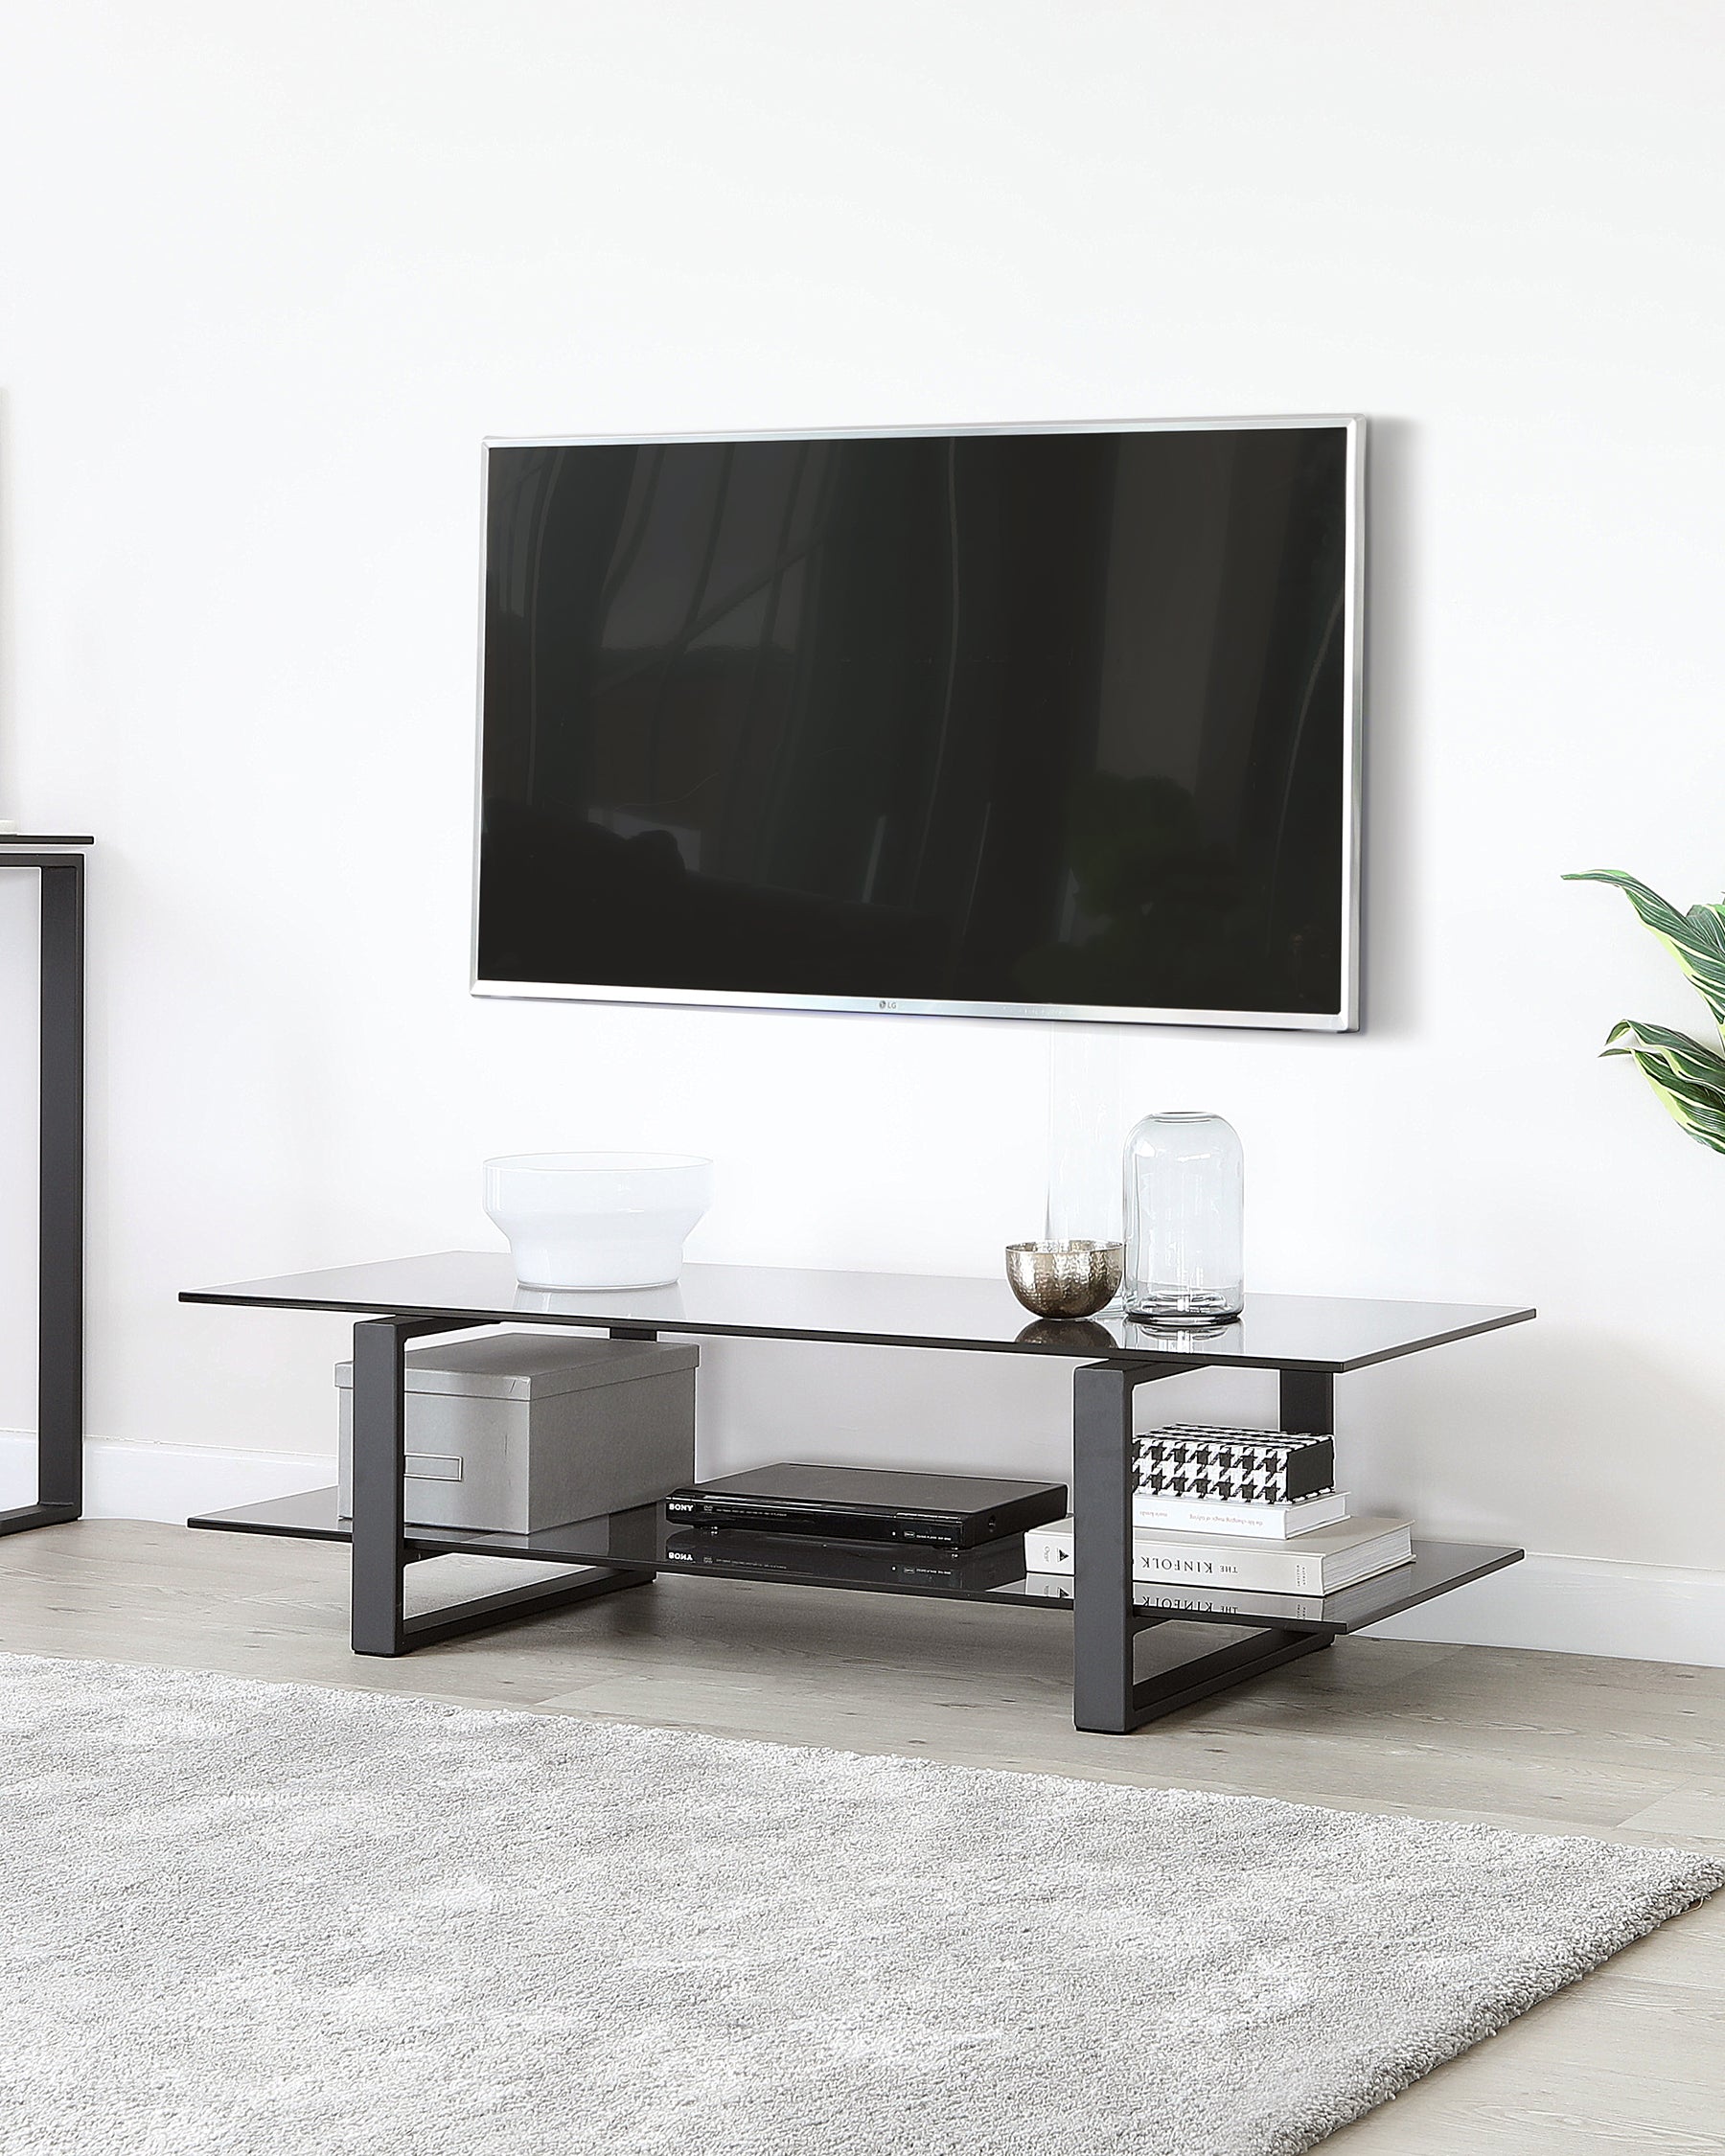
[{"x": 1194, "y": 1459}]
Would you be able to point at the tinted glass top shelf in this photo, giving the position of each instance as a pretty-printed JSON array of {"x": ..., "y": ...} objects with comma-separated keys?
[
  {"x": 886, "y": 1309},
  {"x": 41, "y": 839}
]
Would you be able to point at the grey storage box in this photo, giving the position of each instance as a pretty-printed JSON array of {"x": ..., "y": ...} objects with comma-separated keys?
[{"x": 514, "y": 1432}]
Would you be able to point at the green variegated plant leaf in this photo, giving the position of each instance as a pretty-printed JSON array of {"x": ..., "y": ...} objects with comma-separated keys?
[
  {"x": 1695, "y": 939},
  {"x": 1688, "y": 1078}
]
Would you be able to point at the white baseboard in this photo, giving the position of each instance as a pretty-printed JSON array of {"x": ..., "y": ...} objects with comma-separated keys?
[
  {"x": 1580, "y": 1606},
  {"x": 165, "y": 1481},
  {"x": 1568, "y": 1605}
]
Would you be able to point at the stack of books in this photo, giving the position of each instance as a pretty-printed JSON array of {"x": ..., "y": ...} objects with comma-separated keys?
[{"x": 1253, "y": 1510}]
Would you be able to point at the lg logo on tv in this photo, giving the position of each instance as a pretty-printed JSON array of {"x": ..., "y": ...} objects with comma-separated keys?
[{"x": 886, "y": 1006}]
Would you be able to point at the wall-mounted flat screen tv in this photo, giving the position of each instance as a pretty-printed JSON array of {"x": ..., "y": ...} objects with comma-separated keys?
[{"x": 1057, "y": 722}]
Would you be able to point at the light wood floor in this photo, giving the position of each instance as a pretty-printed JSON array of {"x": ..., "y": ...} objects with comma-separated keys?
[{"x": 1633, "y": 2059}]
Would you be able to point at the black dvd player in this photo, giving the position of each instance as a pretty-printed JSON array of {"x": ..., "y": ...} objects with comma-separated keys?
[
  {"x": 837, "y": 1562},
  {"x": 869, "y": 1505}
]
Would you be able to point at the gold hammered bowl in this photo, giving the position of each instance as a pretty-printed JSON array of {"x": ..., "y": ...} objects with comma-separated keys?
[{"x": 1065, "y": 1279}]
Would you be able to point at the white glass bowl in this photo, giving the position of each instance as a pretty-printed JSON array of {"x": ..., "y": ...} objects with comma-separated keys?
[{"x": 597, "y": 1220}]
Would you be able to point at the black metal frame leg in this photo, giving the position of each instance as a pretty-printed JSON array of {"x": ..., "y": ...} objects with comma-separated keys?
[
  {"x": 1105, "y": 1619},
  {"x": 381, "y": 1551},
  {"x": 1308, "y": 1403},
  {"x": 1107, "y": 1696},
  {"x": 59, "y": 1363}
]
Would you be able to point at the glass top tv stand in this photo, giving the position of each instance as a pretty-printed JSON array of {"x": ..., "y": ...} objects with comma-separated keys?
[{"x": 1309, "y": 1340}]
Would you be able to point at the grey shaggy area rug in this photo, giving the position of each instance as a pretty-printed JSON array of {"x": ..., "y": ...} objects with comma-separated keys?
[{"x": 245, "y": 1920}]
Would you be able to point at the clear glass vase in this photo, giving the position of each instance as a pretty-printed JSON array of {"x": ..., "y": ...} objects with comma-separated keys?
[
  {"x": 1185, "y": 1185},
  {"x": 1084, "y": 1135}
]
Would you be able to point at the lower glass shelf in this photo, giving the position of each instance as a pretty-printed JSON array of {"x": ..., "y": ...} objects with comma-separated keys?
[{"x": 993, "y": 1574}]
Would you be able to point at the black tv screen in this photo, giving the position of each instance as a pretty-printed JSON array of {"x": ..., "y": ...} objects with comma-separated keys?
[{"x": 998, "y": 723}]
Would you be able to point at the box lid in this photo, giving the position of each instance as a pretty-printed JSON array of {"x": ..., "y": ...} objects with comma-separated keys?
[{"x": 535, "y": 1365}]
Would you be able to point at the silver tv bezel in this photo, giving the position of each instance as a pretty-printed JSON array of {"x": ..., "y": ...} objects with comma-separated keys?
[{"x": 1345, "y": 1020}]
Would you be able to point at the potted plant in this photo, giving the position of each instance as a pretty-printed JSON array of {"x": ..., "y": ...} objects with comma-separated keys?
[{"x": 1688, "y": 1076}]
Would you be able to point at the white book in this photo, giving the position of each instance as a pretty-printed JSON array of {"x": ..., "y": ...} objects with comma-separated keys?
[
  {"x": 1258, "y": 1522},
  {"x": 1319, "y": 1563},
  {"x": 1057, "y": 1587}
]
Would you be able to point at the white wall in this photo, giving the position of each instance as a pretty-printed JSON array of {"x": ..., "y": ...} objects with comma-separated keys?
[{"x": 267, "y": 277}]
